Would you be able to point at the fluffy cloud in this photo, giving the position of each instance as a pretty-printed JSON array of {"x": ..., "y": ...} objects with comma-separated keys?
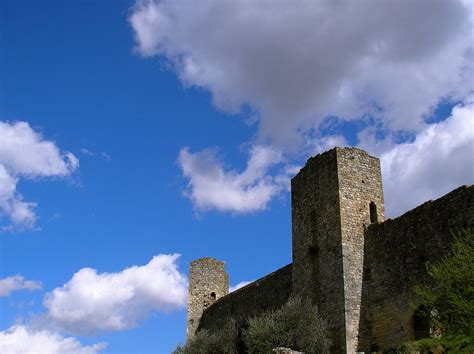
[
  {"x": 438, "y": 160},
  {"x": 93, "y": 301},
  {"x": 17, "y": 282},
  {"x": 12, "y": 204},
  {"x": 211, "y": 186},
  {"x": 296, "y": 64},
  {"x": 24, "y": 340},
  {"x": 25, "y": 154}
]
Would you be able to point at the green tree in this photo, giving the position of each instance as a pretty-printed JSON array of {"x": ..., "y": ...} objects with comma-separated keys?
[
  {"x": 297, "y": 325},
  {"x": 449, "y": 299},
  {"x": 212, "y": 342}
]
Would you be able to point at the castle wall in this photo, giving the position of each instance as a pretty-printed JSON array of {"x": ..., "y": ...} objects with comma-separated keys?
[
  {"x": 361, "y": 199},
  {"x": 358, "y": 269},
  {"x": 208, "y": 282},
  {"x": 331, "y": 198},
  {"x": 268, "y": 293},
  {"x": 395, "y": 256},
  {"x": 317, "y": 251}
]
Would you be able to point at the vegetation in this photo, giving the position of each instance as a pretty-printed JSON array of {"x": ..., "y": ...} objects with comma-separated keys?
[
  {"x": 296, "y": 325},
  {"x": 448, "y": 302},
  {"x": 215, "y": 342}
]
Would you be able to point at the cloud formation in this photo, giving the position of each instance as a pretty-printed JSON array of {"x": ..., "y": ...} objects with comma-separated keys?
[
  {"x": 24, "y": 153},
  {"x": 17, "y": 282},
  {"x": 23, "y": 340},
  {"x": 438, "y": 160},
  {"x": 212, "y": 186},
  {"x": 384, "y": 64},
  {"x": 92, "y": 301},
  {"x": 296, "y": 64}
]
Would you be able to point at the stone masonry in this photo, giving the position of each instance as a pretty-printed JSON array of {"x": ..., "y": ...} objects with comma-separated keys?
[
  {"x": 208, "y": 282},
  {"x": 358, "y": 268}
]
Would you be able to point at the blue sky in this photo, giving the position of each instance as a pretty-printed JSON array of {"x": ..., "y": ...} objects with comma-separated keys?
[{"x": 169, "y": 128}]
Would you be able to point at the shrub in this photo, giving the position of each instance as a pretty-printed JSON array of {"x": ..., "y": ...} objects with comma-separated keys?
[
  {"x": 297, "y": 325},
  {"x": 449, "y": 300},
  {"x": 447, "y": 344},
  {"x": 212, "y": 342}
]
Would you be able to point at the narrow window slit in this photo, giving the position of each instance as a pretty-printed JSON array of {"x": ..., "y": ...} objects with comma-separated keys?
[{"x": 373, "y": 212}]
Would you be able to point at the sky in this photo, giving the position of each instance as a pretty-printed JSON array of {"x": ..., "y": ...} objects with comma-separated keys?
[{"x": 136, "y": 136}]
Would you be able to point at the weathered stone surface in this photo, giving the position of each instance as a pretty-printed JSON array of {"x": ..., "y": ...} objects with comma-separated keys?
[
  {"x": 268, "y": 293},
  {"x": 331, "y": 199},
  {"x": 208, "y": 282},
  {"x": 358, "y": 268},
  {"x": 396, "y": 253}
]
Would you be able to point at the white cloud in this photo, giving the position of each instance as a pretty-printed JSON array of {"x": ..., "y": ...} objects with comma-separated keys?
[
  {"x": 296, "y": 64},
  {"x": 23, "y": 340},
  {"x": 17, "y": 282},
  {"x": 321, "y": 144},
  {"x": 385, "y": 63},
  {"x": 25, "y": 154},
  {"x": 12, "y": 204},
  {"x": 93, "y": 301},
  {"x": 212, "y": 186},
  {"x": 239, "y": 285},
  {"x": 437, "y": 161}
]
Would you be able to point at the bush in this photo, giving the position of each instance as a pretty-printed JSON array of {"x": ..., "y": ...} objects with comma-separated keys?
[
  {"x": 447, "y": 344},
  {"x": 449, "y": 300},
  {"x": 297, "y": 325},
  {"x": 215, "y": 342}
]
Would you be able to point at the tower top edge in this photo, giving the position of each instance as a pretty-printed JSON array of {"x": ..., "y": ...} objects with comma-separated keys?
[
  {"x": 207, "y": 260},
  {"x": 336, "y": 151}
]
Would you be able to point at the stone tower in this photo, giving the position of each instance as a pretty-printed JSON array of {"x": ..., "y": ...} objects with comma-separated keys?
[
  {"x": 208, "y": 282},
  {"x": 334, "y": 198}
]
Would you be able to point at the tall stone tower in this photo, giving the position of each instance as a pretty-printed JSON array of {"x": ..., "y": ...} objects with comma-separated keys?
[
  {"x": 334, "y": 197},
  {"x": 208, "y": 282}
]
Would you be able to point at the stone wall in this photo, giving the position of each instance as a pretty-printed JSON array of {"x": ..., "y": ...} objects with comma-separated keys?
[
  {"x": 268, "y": 293},
  {"x": 331, "y": 198},
  {"x": 208, "y": 282},
  {"x": 317, "y": 251},
  {"x": 361, "y": 199},
  {"x": 358, "y": 269},
  {"x": 395, "y": 256}
]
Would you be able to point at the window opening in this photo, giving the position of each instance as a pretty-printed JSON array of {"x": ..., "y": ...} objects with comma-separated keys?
[
  {"x": 373, "y": 212},
  {"x": 421, "y": 324}
]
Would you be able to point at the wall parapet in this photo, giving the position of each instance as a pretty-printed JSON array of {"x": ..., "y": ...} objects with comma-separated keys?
[
  {"x": 268, "y": 293},
  {"x": 397, "y": 251}
]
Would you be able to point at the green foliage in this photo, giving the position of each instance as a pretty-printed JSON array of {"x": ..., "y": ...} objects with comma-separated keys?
[
  {"x": 297, "y": 325},
  {"x": 449, "y": 344},
  {"x": 449, "y": 300},
  {"x": 215, "y": 342}
]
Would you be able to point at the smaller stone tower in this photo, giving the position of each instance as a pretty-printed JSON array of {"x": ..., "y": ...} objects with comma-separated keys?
[{"x": 208, "y": 282}]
